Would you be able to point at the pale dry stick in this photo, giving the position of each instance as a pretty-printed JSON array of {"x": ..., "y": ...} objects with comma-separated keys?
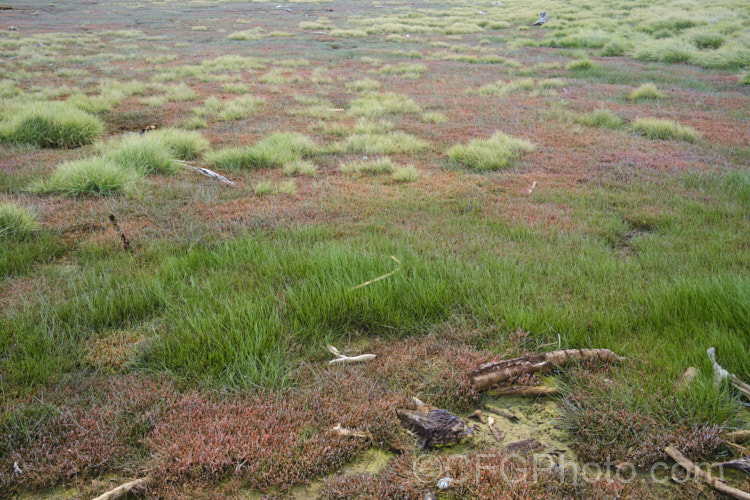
[
  {"x": 374, "y": 280},
  {"x": 720, "y": 374},
  {"x": 496, "y": 433},
  {"x": 208, "y": 173},
  {"x": 123, "y": 490},
  {"x": 343, "y": 431},
  {"x": 342, "y": 359},
  {"x": 531, "y": 190},
  {"x": 694, "y": 470}
]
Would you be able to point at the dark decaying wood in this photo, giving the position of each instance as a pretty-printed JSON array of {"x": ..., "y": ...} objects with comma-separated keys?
[
  {"x": 436, "y": 427},
  {"x": 497, "y": 372},
  {"x": 740, "y": 464},
  {"x": 530, "y": 444}
]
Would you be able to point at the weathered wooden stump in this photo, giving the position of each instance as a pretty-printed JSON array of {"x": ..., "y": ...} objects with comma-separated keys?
[{"x": 436, "y": 427}]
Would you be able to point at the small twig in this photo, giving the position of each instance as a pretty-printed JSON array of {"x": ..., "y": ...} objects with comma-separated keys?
[
  {"x": 340, "y": 358},
  {"x": 374, "y": 280},
  {"x": 123, "y": 238},
  {"x": 343, "y": 431}
]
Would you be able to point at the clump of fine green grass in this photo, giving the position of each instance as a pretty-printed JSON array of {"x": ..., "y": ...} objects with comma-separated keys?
[
  {"x": 276, "y": 150},
  {"x": 654, "y": 128},
  {"x": 499, "y": 151},
  {"x": 382, "y": 104},
  {"x": 705, "y": 39},
  {"x": 391, "y": 142},
  {"x": 645, "y": 91},
  {"x": 580, "y": 65},
  {"x": 405, "y": 174},
  {"x": 744, "y": 79},
  {"x": 434, "y": 117},
  {"x": 300, "y": 167},
  {"x": 16, "y": 222},
  {"x": 264, "y": 188},
  {"x": 51, "y": 125},
  {"x": 367, "y": 84},
  {"x": 371, "y": 166},
  {"x": 602, "y": 118},
  {"x": 184, "y": 144},
  {"x": 94, "y": 176},
  {"x": 145, "y": 154}
]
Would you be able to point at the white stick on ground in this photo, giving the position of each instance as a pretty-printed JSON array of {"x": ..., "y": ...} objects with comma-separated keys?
[
  {"x": 694, "y": 470},
  {"x": 343, "y": 359},
  {"x": 720, "y": 374},
  {"x": 123, "y": 490},
  {"x": 208, "y": 173}
]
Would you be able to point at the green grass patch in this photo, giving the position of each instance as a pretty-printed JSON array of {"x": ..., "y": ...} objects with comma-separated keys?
[
  {"x": 497, "y": 152},
  {"x": 50, "y": 125},
  {"x": 95, "y": 176},
  {"x": 580, "y": 65},
  {"x": 275, "y": 150},
  {"x": 145, "y": 154},
  {"x": 300, "y": 167},
  {"x": 645, "y": 91},
  {"x": 17, "y": 222},
  {"x": 405, "y": 174},
  {"x": 654, "y": 128},
  {"x": 373, "y": 105},
  {"x": 602, "y": 118},
  {"x": 371, "y": 166},
  {"x": 387, "y": 143}
]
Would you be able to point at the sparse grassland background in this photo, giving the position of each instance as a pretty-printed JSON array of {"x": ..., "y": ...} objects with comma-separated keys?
[{"x": 581, "y": 184}]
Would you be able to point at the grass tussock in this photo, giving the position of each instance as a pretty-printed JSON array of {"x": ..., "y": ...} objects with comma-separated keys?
[
  {"x": 434, "y": 117},
  {"x": 581, "y": 65},
  {"x": 645, "y": 91},
  {"x": 372, "y": 166},
  {"x": 405, "y": 174},
  {"x": 497, "y": 152},
  {"x": 654, "y": 128},
  {"x": 95, "y": 176},
  {"x": 17, "y": 222},
  {"x": 184, "y": 144},
  {"x": 144, "y": 154},
  {"x": 373, "y": 105},
  {"x": 602, "y": 118},
  {"x": 275, "y": 150},
  {"x": 51, "y": 125},
  {"x": 300, "y": 167}
]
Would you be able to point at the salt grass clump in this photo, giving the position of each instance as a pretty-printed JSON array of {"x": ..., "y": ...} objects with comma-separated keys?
[
  {"x": 581, "y": 65},
  {"x": 145, "y": 154},
  {"x": 94, "y": 176},
  {"x": 51, "y": 125},
  {"x": 654, "y": 128},
  {"x": 16, "y": 221},
  {"x": 275, "y": 150},
  {"x": 405, "y": 174},
  {"x": 744, "y": 79},
  {"x": 184, "y": 144},
  {"x": 434, "y": 117},
  {"x": 382, "y": 104},
  {"x": 497, "y": 152},
  {"x": 372, "y": 166},
  {"x": 645, "y": 91},
  {"x": 602, "y": 118},
  {"x": 300, "y": 167}
]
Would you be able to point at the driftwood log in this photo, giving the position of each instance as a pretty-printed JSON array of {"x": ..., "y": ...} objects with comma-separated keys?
[
  {"x": 740, "y": 464},
  {"x": 694, "y": 470},
  {"x": 497, "y": 372},
  {"x": 124, "y": 489},
  {"x": 523, "y": 390},
  {"x": 436, "y": 427},
  {"x": 496, "y": 433},
  {"x": 739, "y": 436},
  {"x": 530, "y": 444}
]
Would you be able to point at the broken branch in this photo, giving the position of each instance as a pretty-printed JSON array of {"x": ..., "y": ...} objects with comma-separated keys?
[
  {"x": 691, "y": 468},
  {"x": 124, "y": 489},
  {"x": 341, "y": 358},
  {"x": 496, "y": 372}
]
